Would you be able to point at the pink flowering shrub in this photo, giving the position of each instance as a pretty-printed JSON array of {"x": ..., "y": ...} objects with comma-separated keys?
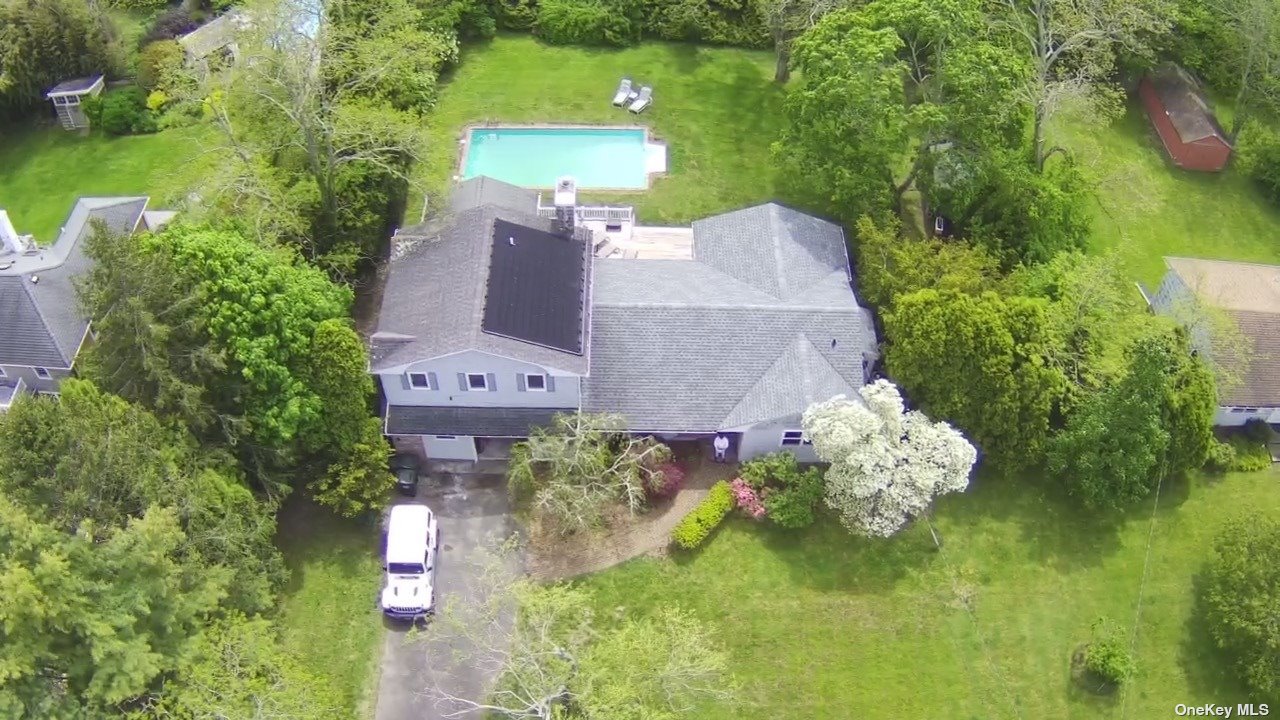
[{"x": 747, "y": 498}]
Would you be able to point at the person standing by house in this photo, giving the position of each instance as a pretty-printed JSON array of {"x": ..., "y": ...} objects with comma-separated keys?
[{"x": 721, "y": 445}]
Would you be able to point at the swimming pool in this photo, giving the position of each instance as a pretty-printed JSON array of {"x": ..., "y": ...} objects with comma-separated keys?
[{"x": 536, "y": 157}]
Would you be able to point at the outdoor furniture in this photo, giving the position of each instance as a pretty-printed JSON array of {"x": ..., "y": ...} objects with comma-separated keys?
[
  {"x": 643, "y": 100},
  {"x": 624, "y": 93}
]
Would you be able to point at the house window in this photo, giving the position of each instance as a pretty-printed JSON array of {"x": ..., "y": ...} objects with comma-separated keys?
[
  {"x": 791, "y": 438},
  {"x": 446, "y": 437},
  {"x": 42, "y": 373},
  {"x": 419, "y": 380},
  {"x": 537, "y": 383},
  {"x": 476, "y": 381}
]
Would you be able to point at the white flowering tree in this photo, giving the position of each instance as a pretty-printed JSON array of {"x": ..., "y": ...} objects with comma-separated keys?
[{"x": 887, "y": 464}]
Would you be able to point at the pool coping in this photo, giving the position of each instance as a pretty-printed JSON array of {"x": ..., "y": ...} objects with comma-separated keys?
[{"x": 464, "y": 143}]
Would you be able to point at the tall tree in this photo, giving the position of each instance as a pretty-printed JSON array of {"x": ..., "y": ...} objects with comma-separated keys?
[
  {"x": 319, "y": 123},
  {"x": 1241, "y": 592},
  {"x": 89, "y": 462},
  {"x": 786, "y": 20},
  {"x": 887, "y": 464},
  {"x": 226, "y": 337},
  {"x": 85, "y": 626},
  {"x": 43, "y": 42},
  {"x": 847, "y": 125},
  {"x": 1072, "y": 47},
  {"x": 982, "y": 363}
]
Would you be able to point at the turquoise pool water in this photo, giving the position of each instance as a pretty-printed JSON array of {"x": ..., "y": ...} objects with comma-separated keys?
[{"x": 536, "y": 157}]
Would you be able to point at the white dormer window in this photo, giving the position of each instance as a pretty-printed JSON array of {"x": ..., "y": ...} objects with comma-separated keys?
[
  {"x": 419, "y": 381},
  {"x": 42, "y": 373},
  {"x": 477, "y": 381},
  {"x": 536, "y": 383}
]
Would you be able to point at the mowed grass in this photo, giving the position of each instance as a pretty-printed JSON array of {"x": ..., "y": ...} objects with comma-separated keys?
[
  {"x": 822, "y": 624},
  {"x": 1148, "y": 208},
  {"x": 328, "y": 617},
  {"x": 716, "y": 108},
  {"x": 43, "y": 169}
]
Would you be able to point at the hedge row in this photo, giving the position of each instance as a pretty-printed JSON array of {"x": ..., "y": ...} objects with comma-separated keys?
[
  {"x": 624, "y": 22},
  {"x": 698, "y": 524}
]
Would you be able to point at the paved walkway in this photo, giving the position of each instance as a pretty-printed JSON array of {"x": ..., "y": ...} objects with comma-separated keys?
[{"x": 562, "y": 558}]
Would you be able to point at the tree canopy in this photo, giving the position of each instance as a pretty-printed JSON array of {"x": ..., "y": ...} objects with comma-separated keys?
[{"x": 1241, "y": 593}]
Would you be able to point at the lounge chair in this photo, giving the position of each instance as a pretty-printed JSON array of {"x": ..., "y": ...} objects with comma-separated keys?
[
  {"x": 624, "y": 93},
  {"x": 643, "y": 100}
]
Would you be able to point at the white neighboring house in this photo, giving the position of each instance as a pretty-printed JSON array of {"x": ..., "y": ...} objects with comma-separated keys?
[
  {"x": 41, "y": 326},
  {"x": 494, "y": 319},
  {"x": 1249, "y": 295}
]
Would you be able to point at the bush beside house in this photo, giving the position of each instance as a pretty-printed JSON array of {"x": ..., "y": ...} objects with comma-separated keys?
[{"x": 696, "y": 527}]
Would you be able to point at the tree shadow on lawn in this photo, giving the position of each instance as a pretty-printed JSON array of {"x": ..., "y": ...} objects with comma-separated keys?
[
  {"x": 1210, "y": 673},
  {"x": 1053, "y": 529},
  {"x": 308, "y": 533},
  {"x": 828, "y": 557}
]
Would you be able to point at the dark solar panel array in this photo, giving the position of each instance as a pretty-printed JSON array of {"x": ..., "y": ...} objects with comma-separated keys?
[{"x": 535, "y": 287}]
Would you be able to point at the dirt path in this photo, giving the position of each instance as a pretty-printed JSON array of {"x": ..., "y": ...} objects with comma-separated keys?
[{"x": 552, "y": 557}]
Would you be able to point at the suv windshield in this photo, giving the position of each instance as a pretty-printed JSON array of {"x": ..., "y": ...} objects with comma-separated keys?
[{"x": 405, "y": 568}]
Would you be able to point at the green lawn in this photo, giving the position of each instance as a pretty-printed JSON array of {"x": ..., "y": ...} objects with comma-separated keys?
[
  {"x": 328, "y": 616},
  {"x": 1148, "y": 208},
  {"x": 43, "y": 169},
  {"x": 716, "y": 108},
  {"x": 826, "y": 625}
]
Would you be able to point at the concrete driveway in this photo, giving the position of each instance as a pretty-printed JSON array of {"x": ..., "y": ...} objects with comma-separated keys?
[{"x": 474, "y": 515}]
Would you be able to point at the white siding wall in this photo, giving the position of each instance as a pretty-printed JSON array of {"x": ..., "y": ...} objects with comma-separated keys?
[
  {"x": 767, "y": 437},
  {"x": 30, "y": 380},
  {"x": 504, "y": 374},
  {"x": 458, "y": 447},
  {"x": 1227, "y": 418}
]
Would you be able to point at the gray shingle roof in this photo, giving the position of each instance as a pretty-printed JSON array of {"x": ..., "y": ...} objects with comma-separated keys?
[
  {"x": 482, "y": 190},
  {"x": 434, "y": 299},
  {"x": 762, "y": 323},
  {"x": 479, "y": 421},
  {"x": 1259, "y": 385},
  {"x": 1185, "y": 106},
  {"x": 771, "y": 247},
  {"x": 41, "y": 323}
]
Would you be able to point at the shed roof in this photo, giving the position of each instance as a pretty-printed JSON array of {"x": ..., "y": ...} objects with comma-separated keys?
[
  {"x": 214, "y": 35},
  {"x": 1185, "y": 106},
  {"x": 77, "y": 86}
]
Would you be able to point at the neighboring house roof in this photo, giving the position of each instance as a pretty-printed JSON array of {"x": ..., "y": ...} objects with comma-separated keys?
[
  {"x": 481, "y": 421},
  {"x": 440, "y": 274},
  {"x": 214, "y": 35},
  {"x": 762, "y": 323},
  {"x": 1184, "y": 105},
  {"x": 39, "y": 308},
  {"x": 1249, "y": 294}
]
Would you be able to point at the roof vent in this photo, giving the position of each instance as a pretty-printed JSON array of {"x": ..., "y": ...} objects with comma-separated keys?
[
  {"x": 35, "y": 279},
  {"x": 511, "y": 241}
]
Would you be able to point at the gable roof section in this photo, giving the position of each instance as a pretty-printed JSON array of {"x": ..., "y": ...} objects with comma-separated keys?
[
  {"x": 48, "y": 324},
  {"x": 483, "y": 190},
  {"x": 772, "y": 248},
  {"x": 435, "y": 295},
  {"x": 1184, "y": 105}
]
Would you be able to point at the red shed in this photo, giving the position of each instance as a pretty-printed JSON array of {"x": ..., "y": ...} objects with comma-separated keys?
[{"x": 1187, "y": 127}]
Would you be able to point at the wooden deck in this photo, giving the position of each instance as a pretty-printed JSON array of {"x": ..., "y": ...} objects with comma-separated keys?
[{"x": 646, "y": 243}]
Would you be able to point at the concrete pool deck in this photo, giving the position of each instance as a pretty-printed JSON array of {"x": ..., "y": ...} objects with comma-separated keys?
[{"x": 655, "y": 152}]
